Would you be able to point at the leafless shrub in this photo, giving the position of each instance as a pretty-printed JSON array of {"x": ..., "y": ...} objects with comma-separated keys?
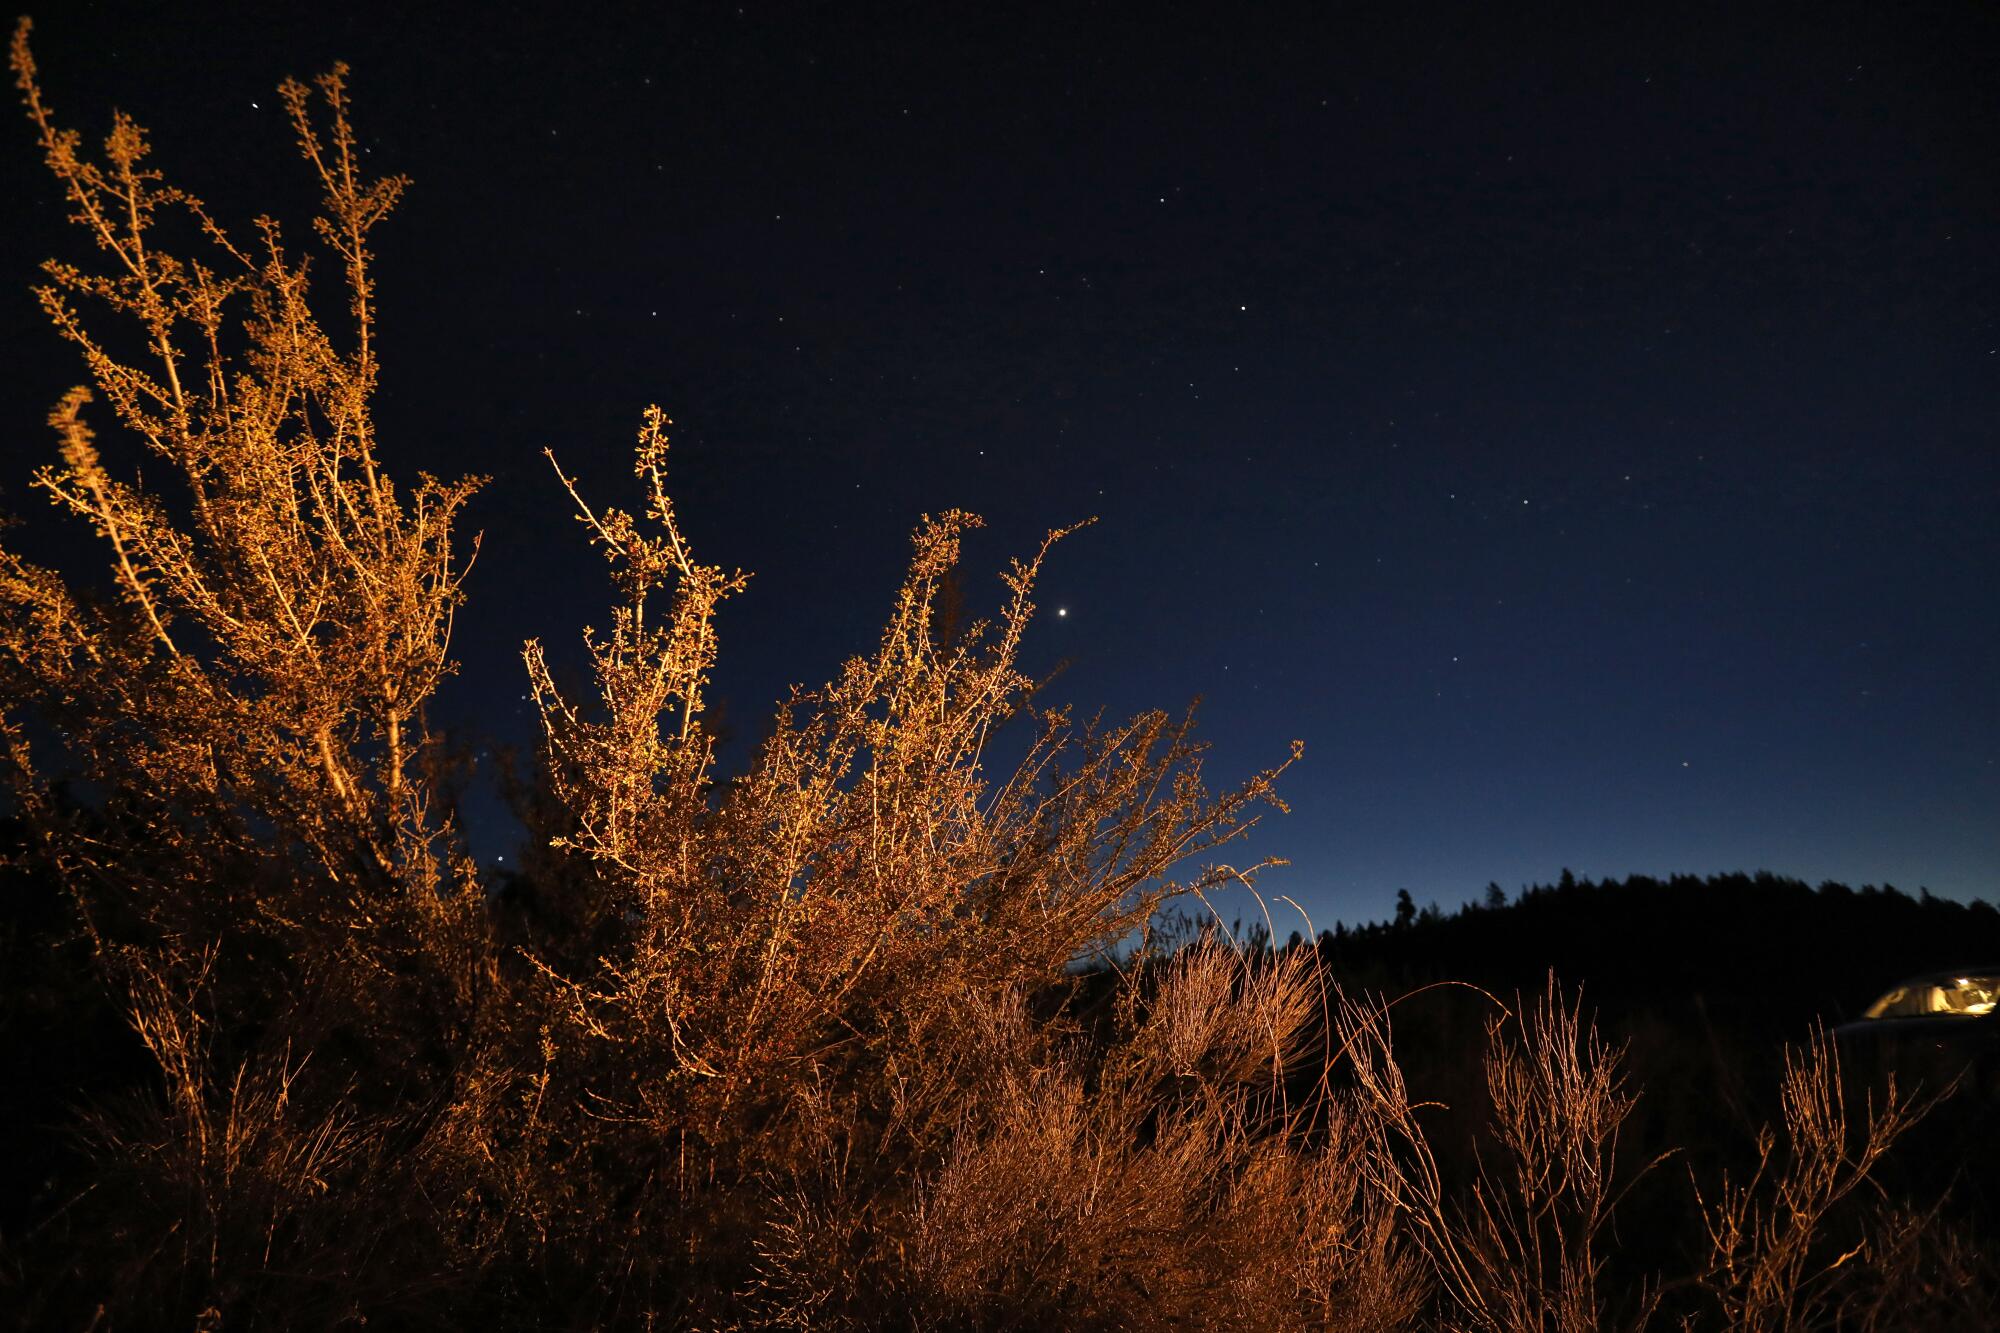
[
  {"x": 252, "y": 699},
  {"x": 1922, "y": 1272},
  {"x": 1172, "y": 1185},
  {"x": 1780, "y": 1254},
  {"x": 1521, "y": 1249},
  {"x": 1532, "y": 1230},
  {"x": 864, "y": 910},
  {"x": 233, "y": 1182}
]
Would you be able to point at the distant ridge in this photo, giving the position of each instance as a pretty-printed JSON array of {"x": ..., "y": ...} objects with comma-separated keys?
[{"x": 1768, "y": 947}]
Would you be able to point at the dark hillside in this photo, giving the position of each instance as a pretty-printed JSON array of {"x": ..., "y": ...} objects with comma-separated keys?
[
  {"x": 1708, "y": 980},
  {"x": 1759, "y": 953}
]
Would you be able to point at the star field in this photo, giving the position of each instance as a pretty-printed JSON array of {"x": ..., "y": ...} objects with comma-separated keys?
[{"x": 1582, "y": 437}]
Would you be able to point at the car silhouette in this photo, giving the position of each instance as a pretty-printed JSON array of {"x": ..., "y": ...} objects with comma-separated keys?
[{"x": 1932, "y": 1028}]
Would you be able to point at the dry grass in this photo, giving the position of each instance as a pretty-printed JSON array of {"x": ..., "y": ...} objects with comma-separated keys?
[{"x": 806, "y": 1048}]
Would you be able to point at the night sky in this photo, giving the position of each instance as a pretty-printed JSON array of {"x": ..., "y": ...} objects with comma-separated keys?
[{"x": 1581, "y": 432}]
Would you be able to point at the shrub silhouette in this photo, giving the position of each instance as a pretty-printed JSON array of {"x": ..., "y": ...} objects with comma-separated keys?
[{"x": 806, "y": 1048}]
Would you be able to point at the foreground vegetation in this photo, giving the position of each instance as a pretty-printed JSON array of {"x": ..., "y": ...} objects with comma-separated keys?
[{"x": 809, "y": 1047}]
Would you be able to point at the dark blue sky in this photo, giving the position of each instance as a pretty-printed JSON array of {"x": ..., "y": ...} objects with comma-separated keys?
[{"x": 1581, "y": 432}]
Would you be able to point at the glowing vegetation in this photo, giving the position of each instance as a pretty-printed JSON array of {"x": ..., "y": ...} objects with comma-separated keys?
[{"x": 807, "y": 1047}]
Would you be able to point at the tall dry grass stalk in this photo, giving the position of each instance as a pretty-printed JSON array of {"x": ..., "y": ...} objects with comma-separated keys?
[{"x": 804, "y": 1048}]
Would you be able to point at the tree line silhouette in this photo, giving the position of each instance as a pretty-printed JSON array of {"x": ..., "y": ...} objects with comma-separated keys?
[{"x": 1761, "y": 949}]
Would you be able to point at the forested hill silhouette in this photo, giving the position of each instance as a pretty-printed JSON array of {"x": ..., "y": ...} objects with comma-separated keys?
[{"x": 1758, "y": 950}]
